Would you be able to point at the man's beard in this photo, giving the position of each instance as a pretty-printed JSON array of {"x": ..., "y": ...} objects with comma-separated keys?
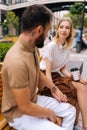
[{"x": 40, "y": 41}]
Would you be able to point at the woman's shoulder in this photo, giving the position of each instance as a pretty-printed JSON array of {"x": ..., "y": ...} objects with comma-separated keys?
[{"x": 51, "y": 44}]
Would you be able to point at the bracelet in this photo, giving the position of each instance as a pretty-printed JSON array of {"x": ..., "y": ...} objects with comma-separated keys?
[{"x": 53, "y": 89}]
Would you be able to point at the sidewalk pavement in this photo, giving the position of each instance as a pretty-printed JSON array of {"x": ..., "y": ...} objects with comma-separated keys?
[{"x": 82, "y": 56}]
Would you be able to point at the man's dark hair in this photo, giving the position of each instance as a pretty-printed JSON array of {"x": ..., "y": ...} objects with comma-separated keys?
[{"x": 35, "y": 15}]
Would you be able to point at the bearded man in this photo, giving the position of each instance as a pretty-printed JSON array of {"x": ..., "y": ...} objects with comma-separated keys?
[{"x": 22, "y": 107}]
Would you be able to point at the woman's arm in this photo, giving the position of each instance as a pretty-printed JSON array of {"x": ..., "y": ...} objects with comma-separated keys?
[
  {"x": 46, "y": 80},
  {"x": 65, "y": 72},
  {"x": 48, "y": 68}
]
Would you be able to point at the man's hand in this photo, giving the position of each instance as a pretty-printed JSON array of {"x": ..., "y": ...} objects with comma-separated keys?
[
  {"x": 52, "y": 116},
  {"x": 58, "y": 94}
]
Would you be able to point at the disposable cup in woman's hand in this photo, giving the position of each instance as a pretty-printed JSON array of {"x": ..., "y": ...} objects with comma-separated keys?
[{"x": 75, "y": 74}]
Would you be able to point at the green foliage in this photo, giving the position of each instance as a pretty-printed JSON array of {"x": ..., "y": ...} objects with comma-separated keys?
[
  {"x": 11, "y": 19},
  {"x": 76, "y": 14},
  {"x": 76, "y": 20},
  {"x": 77, "y": 8},
  {"x": 85, "y": 22},
  {"x": 4, "y": 47}
]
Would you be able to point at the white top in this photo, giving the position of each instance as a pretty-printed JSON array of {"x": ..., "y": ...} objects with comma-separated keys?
[{"x": 57, "y": 54}]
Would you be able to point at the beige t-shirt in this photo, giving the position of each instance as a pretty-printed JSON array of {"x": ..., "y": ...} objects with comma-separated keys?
[
  {"x": 58, "y": 56},
  {"x": 20, "y": 70}
]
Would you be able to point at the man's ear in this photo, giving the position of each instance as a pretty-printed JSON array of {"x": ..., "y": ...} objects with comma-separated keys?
[{"x": 39, "y": 29}]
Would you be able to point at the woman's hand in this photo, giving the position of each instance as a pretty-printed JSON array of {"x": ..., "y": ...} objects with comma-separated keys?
[
  {"x": 58, "y": 94},
  {"x": 83, "y": 81}
]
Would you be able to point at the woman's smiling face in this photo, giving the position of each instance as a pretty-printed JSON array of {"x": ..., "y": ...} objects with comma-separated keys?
[{"x": 64, "y": 29}]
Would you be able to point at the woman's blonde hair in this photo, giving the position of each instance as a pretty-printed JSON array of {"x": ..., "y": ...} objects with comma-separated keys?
[{"x": 69, "y": 39}]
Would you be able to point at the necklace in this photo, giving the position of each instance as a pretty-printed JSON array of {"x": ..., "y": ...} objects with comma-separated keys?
[{"x": 61, "y": 47}]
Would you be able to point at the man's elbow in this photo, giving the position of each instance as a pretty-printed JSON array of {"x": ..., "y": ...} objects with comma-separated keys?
[{"x": 22, "y": 109}]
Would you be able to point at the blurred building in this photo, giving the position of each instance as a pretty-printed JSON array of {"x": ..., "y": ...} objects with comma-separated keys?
[{"x": 18, "y": 7}]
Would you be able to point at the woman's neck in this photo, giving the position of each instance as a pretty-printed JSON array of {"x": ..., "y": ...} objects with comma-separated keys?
[{"x": 62, "y": 42}]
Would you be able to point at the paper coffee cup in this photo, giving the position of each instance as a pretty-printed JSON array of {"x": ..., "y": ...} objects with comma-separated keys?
[{"x": 74, "y": 72}]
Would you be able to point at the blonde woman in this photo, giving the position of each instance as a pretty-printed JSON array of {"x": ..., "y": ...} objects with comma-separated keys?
[{"x": 54, "y": 62}]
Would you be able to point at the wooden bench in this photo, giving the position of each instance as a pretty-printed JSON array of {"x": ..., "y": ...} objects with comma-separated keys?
[{"x": 3, "y": 122}]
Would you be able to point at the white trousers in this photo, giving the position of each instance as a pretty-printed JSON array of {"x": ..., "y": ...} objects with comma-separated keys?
[{"x": 65, "y": 110}]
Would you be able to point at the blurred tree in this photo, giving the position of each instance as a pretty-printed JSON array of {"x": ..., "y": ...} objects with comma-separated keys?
[
  {"x": 76, "y": 13},
  {"x": 85, "y": 22},
  {"x": 77, "y": 8},
  {"x": 11, "y": 22}
]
